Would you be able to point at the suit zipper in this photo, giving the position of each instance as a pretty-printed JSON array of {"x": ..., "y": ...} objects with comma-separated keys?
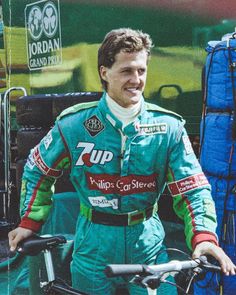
[{"x": 122, "y": 152}]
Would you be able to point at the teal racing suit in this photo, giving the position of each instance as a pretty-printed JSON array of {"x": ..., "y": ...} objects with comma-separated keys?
[{"x": 119, "y": 175}]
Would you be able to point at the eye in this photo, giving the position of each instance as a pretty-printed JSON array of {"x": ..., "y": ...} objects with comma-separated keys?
[
  {"x": 126, "y": 71},
  {"x": 141, "y": 71}
]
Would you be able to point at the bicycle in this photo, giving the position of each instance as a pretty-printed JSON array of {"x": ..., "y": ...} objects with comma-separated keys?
[
  {"x": 33, "y": 246},
  {"x": 147, "y": 276}
]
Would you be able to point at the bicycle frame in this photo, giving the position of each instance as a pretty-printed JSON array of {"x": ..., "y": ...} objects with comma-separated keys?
[{"x": 54, "y": 284}]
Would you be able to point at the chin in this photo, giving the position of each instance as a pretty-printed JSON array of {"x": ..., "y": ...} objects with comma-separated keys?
[{"x": 136, "y": 97}]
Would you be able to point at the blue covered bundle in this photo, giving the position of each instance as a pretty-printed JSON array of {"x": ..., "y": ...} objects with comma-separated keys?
[
  {"x": 219, "y": 72},
  {"x": 224, "y": 195},
  {"x": 218, "y": 153},
  {"x": 218, "y": 147}
]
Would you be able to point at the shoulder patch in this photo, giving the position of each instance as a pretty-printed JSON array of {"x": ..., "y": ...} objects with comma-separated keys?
[
  {"x": 78, "y": 107},
  {"x": 153, "y": 107}
]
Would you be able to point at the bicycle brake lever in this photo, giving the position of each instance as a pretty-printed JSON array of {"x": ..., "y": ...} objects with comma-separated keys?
[
  {"x": 152, "y": 281},
  {"x": 206, "y": 264}
]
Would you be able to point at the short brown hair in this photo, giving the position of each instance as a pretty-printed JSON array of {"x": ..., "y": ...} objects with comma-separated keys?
[{"x": 124, "y": 39}]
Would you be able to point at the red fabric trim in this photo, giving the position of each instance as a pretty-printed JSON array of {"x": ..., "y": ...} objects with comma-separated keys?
[
  {"x": 43, "y": 166},
  {"x": 30, "y": 224},
  {"x": 204, "y": 237},
  {"x": 33, "y": 196}
]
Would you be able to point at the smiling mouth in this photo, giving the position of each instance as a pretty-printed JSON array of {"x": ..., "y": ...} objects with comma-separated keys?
[{"x": 132, "y": 89}]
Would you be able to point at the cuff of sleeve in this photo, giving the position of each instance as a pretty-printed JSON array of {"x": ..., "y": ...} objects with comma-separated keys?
[
  {"x": 30, "y": 224},
  {"x": 204, "y": 237}
]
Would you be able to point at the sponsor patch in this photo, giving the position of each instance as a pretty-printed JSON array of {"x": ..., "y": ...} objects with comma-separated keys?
[
  {"x": 43, "y": 166},
  {"x": 150, "y": 129},
  {"x": 30, "y": 162},
  {"x": 122, "y": 185},
  {"x": 93, "y": 125},
  {"x": 90, "y": 156},
  {"x": 47, "y": 140},
  {"x": 187, "y": 145},
  {"x": 187, "y": 184},
  {"x": 102, "y": 202}
]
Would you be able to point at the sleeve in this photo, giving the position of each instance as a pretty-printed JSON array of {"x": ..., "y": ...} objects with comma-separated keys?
[
  {"x": 191, "y": 191},
  {"x": 44, "y": 165}
]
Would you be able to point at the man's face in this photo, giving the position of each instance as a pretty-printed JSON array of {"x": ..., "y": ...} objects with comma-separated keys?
[{"x": 126, "y": 78}]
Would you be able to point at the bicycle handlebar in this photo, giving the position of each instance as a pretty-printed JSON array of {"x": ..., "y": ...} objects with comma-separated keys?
[{"x": 113, "y": 270}]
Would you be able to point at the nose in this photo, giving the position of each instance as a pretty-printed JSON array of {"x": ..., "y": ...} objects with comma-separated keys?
[{"x": 135, "y": 77}]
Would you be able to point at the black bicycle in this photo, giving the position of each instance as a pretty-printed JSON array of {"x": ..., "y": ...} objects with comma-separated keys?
[{"x": 147, "y": 276}]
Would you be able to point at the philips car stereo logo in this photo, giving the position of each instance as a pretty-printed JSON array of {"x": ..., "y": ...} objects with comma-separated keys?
[{"x": 42, "y": 22}]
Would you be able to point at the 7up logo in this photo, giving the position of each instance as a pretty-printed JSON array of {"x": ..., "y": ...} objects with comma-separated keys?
[
  {"x": 42, "y": 22},
  {"x": 90, "y": 156}
]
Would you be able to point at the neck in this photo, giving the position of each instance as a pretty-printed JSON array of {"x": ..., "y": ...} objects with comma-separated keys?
[{"x": 125, "y": 115}]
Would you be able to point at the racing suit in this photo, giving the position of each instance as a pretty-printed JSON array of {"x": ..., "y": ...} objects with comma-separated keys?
[{"x": 119, "y": 174}]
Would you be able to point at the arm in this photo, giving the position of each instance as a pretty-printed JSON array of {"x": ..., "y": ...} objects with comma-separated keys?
[
  {"x": 190, "y": 189},
  {"x": 193, "y": 202},
  {"x": 43, "y": 167}
]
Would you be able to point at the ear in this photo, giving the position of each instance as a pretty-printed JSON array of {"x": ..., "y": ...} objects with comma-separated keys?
[{"x": 103, "y": 72}]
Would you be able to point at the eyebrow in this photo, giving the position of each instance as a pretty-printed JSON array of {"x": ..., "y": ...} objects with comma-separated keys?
[{"x": 128, "y": 68}]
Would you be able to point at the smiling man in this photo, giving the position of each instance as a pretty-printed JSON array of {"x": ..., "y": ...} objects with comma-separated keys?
[
  {"x": 126, "y": 78},
  {"x": 121, "y": 152}
]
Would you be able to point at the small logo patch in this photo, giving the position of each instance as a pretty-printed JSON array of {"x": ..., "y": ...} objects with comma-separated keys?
[
  {"x": 150, "y": 129},
  {"x": 47, "y": 140},
  {"x": 187, "y": 145},
  {"x": 102, "y": 202},
  {"x": 93, "y": 125}
]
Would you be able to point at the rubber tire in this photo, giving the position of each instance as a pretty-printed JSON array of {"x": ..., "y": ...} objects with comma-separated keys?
[
  {"x": 34, "y": 111},
  {"x": 28, "y": 138},
  {"x": 62, "y": 102}
]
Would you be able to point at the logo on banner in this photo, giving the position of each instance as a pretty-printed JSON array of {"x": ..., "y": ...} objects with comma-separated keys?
[{"x": 42, "y": 22}]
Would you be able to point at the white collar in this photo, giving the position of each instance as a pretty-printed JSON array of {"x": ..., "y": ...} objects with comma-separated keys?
[{"x": 125, "y": 115}]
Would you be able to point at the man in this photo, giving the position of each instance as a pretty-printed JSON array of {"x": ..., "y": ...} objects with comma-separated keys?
[{"x": 121, "y": 151}]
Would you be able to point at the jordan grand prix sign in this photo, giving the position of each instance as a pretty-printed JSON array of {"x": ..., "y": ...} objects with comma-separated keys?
[{"x": 43, "y": 34}]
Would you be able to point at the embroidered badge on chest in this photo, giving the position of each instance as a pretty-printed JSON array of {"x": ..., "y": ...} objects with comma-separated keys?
[
  {"x": 151, "y": 129},
  {"x": 93, "y": 125}
]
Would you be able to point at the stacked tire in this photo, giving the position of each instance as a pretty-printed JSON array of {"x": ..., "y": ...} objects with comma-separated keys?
[
  {"x": 218, "y": 149},
  {"x": 36, "y": 115}
]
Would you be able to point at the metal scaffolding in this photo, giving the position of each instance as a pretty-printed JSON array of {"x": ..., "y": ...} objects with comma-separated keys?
[{"x": 5, "y": 135}]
